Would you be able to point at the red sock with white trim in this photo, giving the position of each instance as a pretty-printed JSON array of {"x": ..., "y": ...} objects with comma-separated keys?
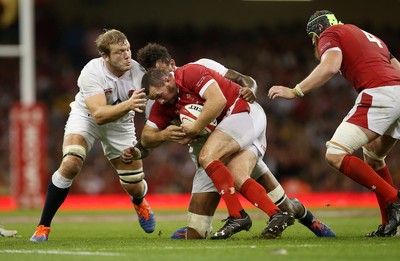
[
  {"x": 385, "y": 174},
  {"x": 363, "y": 174},
  {"x": 256, "y": 194},
  {"x": 223, "y": 181}
]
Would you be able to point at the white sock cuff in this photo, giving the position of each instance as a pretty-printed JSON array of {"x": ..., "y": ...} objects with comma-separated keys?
[{"x": 60, "y": 182}]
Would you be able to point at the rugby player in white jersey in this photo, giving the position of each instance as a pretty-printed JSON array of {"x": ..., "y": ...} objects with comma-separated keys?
[{"x": 109, "y": 95}]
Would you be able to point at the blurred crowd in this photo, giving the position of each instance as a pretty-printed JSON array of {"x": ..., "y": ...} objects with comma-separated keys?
[{"x": 296, "y": 132}]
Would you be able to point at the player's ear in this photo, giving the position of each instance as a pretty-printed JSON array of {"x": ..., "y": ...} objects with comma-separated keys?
[
  {"x": 105, "y": 56},
  {"x": 169, "y": 77},
  {"x": 172, "y": 64}
]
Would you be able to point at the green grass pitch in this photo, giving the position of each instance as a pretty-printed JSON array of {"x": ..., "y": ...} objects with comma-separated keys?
[{"x": 116, "y": 235}]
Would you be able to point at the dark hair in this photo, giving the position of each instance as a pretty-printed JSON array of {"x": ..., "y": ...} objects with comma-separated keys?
[
  {"x": 325, "y": 18},
  {"x": 153, "y": 78},
  {"x": 151, "y": 53}
]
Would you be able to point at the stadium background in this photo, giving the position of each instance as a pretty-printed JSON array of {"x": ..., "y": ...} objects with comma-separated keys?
[{"x": 266, "y": 40}]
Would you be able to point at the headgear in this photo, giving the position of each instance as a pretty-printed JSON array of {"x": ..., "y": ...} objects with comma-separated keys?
[{"x": 325, "y": 18}]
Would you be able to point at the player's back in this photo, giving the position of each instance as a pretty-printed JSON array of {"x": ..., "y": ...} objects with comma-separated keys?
[{"x": 366, "y": 58}]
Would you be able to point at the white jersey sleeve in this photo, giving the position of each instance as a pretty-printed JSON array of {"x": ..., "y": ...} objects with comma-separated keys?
[
  {"x": 91, "y": 79},
  {"x": 216, "y": 66}
]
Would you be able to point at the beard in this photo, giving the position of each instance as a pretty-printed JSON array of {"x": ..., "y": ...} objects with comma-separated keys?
[{"x": 316, "y": 51}]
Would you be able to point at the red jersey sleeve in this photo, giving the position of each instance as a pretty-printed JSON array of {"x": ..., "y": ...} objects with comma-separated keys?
[{"x": 161, "y": 116}]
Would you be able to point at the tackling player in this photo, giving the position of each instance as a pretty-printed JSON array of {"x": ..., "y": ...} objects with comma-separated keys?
[{"x": 109, "y": 95}]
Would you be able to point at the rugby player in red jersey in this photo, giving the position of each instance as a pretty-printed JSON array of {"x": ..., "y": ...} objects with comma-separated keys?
[{"x": 373, "y": 123}]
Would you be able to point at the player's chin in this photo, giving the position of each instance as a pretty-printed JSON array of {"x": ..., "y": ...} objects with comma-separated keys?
[{"x": 126, "y": 66}]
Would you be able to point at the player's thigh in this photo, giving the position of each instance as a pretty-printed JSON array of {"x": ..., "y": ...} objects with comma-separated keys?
[
  {"x": 218, "y": 146},
  {"x": 75, "y": 139},
  {"x": 241, "y": 165}
]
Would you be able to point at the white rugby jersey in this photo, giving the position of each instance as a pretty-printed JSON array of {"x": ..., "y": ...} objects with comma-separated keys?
[{"x": 95, "y": 79}]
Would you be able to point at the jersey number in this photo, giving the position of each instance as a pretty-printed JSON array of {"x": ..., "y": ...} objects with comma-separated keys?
[{"x": 373, "y": 39}]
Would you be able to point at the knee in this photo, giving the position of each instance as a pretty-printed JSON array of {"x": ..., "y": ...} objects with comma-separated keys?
[
  {"x": 334, "y": 160},
  {"x": 71, "y": 166},
  {"x": 205, "y": 159},
  {"x": 335, "y": 153},
  {"x": 329, "y": 158},
  {"x": 73, "y": 158}
]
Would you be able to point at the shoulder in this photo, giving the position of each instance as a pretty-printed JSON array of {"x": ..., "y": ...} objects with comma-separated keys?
[
  {"x": 214, "y": 65},
  {"x": 93, "y": 66},
  {"x": 340, "y": 30},
  {"x": 93, "y": 71},
  {"x": 137, "y": 71},
  {"x": 136, "y": 67},
  {"x": 191, "y": 67}
]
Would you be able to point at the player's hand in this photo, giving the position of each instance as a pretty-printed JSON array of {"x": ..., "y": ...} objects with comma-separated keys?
[
  {"x": 281, "y": 92},
  {"x": 130, "y": 154},
  {"x": 186, "y": 140},
  {"x": 137, "y": 102},
  {"x": 190, "y": 129},
  {"x": 174, "y": 133},
  {"x": 248, "y": 94}
]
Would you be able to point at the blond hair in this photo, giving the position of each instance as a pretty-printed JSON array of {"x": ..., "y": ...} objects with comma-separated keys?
[{"x": 108, "y": 38}]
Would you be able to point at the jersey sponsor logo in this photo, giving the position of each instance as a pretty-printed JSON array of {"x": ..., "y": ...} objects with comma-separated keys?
[
  {"x": 200, "y": 82},
  {"x": 108, "y": 91},
  {"x": 325, "y": 46},
  {"x": 195, "y": 107}
]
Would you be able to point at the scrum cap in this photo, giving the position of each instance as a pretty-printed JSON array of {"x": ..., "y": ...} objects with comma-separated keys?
[{"x": 325, "y": 18}]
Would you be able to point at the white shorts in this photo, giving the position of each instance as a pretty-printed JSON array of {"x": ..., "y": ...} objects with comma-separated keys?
[
  {"x": 378, "y": 110},
  {"x": 114, "y": 136},
  {"x": 250, "y": 134},
  {"x": 247, "y": 129}
]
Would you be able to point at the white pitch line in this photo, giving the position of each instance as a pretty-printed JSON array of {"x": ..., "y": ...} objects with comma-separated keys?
[{"x": 58, "y": 252}]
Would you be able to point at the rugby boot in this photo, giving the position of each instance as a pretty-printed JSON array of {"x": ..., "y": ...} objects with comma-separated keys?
[
  {"x": 277, "y": 224},
  {"x": 393, "y": 218},
  {"x": 233, "y": 226},
  {"x": 41, "y": 234},
  {"x": 180, "y": 233},
  {"x": 380, "y": 232},
  {"x": 146, "y": 216}
]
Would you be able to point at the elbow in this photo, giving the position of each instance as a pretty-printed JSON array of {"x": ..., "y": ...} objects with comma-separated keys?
[
  {"x": 145, "y": 140},
  {"x": 333, "y": 71},
  {"x": 99, "y": 120},
  {"x": 223, "y": 103}
]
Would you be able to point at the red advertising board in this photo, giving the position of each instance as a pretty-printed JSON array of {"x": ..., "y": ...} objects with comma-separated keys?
[{"x": 28, "y": 154}]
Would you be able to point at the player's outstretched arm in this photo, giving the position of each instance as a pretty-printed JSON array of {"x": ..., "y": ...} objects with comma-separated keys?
[{"x": 249, "y": 85}]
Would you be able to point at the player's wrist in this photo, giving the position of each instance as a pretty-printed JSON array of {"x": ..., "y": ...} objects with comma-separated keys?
[{"x": 297, "y": 91}]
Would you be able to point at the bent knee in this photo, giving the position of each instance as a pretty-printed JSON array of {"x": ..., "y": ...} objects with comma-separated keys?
[
  {"x": 334, "y": 160},
  {"x": 71, "y": 166},
  {"x": 205, "y": 159}
]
